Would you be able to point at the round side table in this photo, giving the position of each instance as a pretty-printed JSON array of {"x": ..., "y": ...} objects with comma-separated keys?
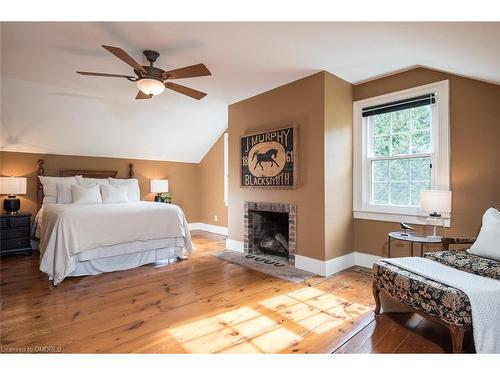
[{"x": 411, "y": 238}]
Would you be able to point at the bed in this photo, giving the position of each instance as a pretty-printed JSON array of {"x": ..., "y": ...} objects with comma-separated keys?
[{"x": 88, "y": 239}]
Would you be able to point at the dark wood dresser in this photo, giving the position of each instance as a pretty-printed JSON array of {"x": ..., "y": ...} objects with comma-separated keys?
[{"x": 15, "y": 234}]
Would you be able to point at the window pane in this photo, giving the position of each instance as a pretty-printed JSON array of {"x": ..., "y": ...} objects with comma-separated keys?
[
  {"x": 401, "y": 121},
  {"x": 415, "y": 191},
  {"x": 421, "y": 117},
  {"x": 380, "y": 170},
  {"x": 400, "y": 170},
  {"x": 420, "y": 169},
  {"x": 400, "y": 193},
  {"x": 380, "y": 193},
  {"x": 381, "y": 124},
  {"x": 421, "y": 141},
  {"x": 381, "y": 145},
  {"x": 400, "y": 144}
]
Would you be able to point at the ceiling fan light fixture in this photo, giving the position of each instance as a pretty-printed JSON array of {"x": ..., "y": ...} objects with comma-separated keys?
[{"x": 150, "y": 86}]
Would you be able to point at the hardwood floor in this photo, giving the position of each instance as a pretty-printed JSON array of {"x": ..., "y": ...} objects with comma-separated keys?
[{"x": 202, "y": 305}]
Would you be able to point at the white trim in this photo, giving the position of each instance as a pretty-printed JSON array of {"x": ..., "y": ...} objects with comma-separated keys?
[
  {"x": 440, "y": 155},
  {"x": 365, "y": 260},
  {"x": 315, "y": 266},
  {"x": 399, "y": 218},
  {"x": 226, "y": 168},
  {"x": 332, "y": 266},
  {"x": 235, "y": 245},
  {"x": 320, "y": 267},
  {"x": 339, "y": 264},
  {"x": 208, "y": 228}
]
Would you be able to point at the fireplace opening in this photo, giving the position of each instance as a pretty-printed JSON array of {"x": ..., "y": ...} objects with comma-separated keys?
[{"x": 270, "y": 232}]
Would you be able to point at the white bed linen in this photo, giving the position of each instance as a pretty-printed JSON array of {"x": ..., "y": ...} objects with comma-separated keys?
[
  {"x": 131, "y": 248},
  {"x": 69, "y": 230},
  {"x": 125, "y": 261}
]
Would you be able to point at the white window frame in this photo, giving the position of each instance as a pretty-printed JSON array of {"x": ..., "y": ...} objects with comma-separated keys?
[
  {"x": 440, "y": 155},
  {"x": 226, "y": 169}
]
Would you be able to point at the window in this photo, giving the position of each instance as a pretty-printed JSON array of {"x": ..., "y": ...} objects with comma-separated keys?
[
  {"x": 226, "y": 168},
  {"x": 401, "y": 147}
]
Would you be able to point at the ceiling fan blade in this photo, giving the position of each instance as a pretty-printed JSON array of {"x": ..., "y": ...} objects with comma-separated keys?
[
  {"x": 125, "y": 57},
  {"x": 141, "y": 95},
  {"x": 197, "y": 70},
  {"x": 185, "y": 90},
  {"x": 104, "y": 75}
]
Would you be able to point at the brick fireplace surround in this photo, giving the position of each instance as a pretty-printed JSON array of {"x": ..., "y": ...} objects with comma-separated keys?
[{"x": 270, "y": 207}]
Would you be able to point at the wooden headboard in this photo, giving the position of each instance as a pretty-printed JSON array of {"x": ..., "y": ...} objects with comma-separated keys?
[{"x": 75, "y": 172}]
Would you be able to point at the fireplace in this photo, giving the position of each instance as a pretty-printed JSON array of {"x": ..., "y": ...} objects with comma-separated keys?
[{"x": 270, "y": 229}]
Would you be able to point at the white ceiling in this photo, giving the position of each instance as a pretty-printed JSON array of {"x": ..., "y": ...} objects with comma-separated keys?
[{"x": 48, "y": 108}]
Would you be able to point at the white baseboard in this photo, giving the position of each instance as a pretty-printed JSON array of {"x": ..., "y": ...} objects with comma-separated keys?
[
  {"x": 329, "y": 267},
  {"x": 365, "y": 260},
  {"x": 235, "y": 245},
  {"x": 310, "y": 264},
  {"x": 320, "y": 267},
  {"x": 208, "y": 228}
]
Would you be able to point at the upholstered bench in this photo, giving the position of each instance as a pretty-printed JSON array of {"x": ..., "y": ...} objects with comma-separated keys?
[{"x": 431, "y": 299}]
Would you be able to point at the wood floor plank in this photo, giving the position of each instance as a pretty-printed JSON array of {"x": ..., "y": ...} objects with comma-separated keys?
[{"x": 201, "y": 305}]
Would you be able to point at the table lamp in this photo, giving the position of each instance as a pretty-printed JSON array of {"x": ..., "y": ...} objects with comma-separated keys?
[
  {"x": 436, "y": 203},
  {"x": 158, "y": 187},
  {"x": 12, "y": 186}
]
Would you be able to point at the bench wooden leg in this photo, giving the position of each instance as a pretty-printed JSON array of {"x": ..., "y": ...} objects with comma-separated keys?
[
  {"x": 376, "y": 296},
  {"x": 457, "y": 338}
]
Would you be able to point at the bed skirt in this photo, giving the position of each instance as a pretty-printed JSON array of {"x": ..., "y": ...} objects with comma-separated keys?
[{"x": 125, "y": 261}]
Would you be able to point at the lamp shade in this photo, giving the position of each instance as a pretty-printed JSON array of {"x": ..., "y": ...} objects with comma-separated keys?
[
  {"x": 150, "y": 86},
  {"x": 438, "y": 201},
  {"x": 13, "y": 185},
  {"x": 159, "y": 186}
]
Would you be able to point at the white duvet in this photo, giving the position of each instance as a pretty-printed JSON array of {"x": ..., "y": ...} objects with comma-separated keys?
[{"x": 69, "y": 229}]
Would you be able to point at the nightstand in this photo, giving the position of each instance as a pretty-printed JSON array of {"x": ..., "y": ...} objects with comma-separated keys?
[{"x": 15, "y": 234}]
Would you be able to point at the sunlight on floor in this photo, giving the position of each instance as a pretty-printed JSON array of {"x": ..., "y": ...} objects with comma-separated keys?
[
  {"x": 261, "y": 330},
  {"x": 314, "y": 309}
]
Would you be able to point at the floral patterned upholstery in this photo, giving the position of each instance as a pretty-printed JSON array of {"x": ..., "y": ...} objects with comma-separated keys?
[
  {"x": 468, "y": 262},
  {"x": 436, "y": 299}
]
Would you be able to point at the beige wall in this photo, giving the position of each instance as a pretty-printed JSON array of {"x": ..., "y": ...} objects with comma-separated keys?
[
  {"x": 319, "y": 104},
  {"x": 339, "y": 228},
  {"x": 211, "y": 186},
  {"x": 475, "y": 152},
  {"x": 182, "y": 177}
]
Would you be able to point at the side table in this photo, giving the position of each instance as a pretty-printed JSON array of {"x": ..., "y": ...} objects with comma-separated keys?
[{"x": 412, "y": 238}]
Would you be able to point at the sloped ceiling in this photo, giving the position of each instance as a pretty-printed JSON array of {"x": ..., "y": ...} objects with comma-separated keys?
[{"x": 48, "y": 108}]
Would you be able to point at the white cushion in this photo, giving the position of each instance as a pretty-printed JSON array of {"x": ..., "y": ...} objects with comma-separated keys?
[
  {"x": 83, "y": 194},
  {"x": 488, "y": 242},
  {"x": 64, "y": 193},
  {"x": 114, "y": 193},
  {"x": 91, "y": 181},
  {"x": 134, "y": 194},
  {"x": 50, "y": 188}
]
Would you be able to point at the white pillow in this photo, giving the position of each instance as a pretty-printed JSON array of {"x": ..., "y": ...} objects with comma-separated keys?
[
  {"x": 50, "y": 188},
  {"x": 91, "y": 181},
  {"x": 64, "y": 192},
  {"x": 488, "y": 242},
  {"x": 114, "y": 194},
  {"x": 134, "y": 194},
  {"x": 86, "y": 194},
  {"x": 49, "y": 199}
]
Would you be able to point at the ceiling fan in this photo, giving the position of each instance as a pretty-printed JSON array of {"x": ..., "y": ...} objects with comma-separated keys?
[{"x": 151, "y": 80}]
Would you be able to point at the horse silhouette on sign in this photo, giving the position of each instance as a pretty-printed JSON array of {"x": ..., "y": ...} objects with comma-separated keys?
[{"x": 267, "y": 157}]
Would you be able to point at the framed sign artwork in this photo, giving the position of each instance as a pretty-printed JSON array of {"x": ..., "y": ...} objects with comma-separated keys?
[{"x": 269, "y": 159}]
